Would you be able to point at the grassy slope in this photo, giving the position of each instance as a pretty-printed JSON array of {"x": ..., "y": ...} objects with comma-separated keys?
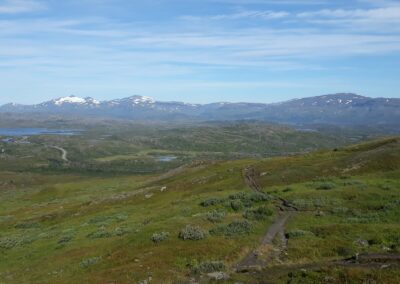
[{"x": 45, "y": 220}]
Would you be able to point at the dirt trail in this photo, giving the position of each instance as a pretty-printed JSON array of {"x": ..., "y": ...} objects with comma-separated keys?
[
  {"x": 64, "y": 153},
  {"x": 260, "y": 257}
]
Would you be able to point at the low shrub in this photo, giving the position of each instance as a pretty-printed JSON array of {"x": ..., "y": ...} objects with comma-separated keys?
[
  {"x": 27, "y": 225},
  {"x": 89, "y": 262},
  {"x": 236, "y": 205},
  {"x": 297, "y": 234},
  {"x": 215, "y": 216},
  {"x": 211, "y": 202},
  {"x": 352, "y": 182},
  {"x": 239, "y": 195},
  {"x": 258, "y": 214},
  {"x": 65, "y": 239},
  {"x": 258, "y": 197},
  {"x": 250, "y": 197},
  {"x": 287, "y": 189},
  {"x": 120, "y": 231},
  {"x": 159, "y": 237},
  {"x": 8, "y": 243},
  {"x": 100, "y": 234},
  {"x": 339, "y": 210},
  {"x": 325, "y": 186},
  {"x": 208, "y": 267},
  {"x": 193, "y": 233},
  {"x": 233, "y": 229}
]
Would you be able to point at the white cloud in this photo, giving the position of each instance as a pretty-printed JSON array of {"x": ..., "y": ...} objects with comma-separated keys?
[
  {"x": 20, "y": 6},
  {"x": 382, "y": 19}
]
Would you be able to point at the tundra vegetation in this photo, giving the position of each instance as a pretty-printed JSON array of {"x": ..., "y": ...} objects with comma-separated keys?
[{"x": 98, "y": 218}]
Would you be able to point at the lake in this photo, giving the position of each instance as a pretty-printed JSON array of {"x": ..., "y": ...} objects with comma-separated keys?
[{"x": 35, "y": 131}]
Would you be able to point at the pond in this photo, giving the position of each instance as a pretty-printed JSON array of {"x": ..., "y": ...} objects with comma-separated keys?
[
  {"x": 166, "y": 158},
  {"x": 36, "y": 131}
]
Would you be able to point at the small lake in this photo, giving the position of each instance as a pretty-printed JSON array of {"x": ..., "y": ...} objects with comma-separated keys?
[
  {"x": 166, "y": 158},
  {"x": 36, "y": 131}
]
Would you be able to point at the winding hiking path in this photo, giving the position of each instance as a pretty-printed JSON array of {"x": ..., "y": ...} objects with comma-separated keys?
[
  {"x": 64, "y": 153},
  {"x": 256, "y": 259}
]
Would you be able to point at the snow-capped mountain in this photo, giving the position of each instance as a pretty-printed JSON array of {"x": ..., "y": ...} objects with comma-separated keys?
[
  {"x": 343, "y": 108},
  {"x": 71, "y": 101}
]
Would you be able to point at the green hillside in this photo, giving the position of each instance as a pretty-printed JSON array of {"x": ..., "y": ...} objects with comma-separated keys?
[{"x": 209, "y": 217}]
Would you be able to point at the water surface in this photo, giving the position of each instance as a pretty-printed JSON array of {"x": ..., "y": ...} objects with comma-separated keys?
[
  {"x": 166, "y": 158},
  {"x": 36, "y": 131}
]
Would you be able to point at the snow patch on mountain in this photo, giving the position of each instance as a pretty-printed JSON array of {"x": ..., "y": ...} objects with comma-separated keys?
[
  {"x": 75, "y": 100},
  {"x": 69, "y": 100},
  {"x": 142, "y": 100}
]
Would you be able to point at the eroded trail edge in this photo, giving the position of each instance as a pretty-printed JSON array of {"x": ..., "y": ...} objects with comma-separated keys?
[{"x": 266, "y": 251}]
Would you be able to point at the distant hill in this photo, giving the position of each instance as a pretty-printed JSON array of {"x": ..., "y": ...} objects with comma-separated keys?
[{"x": 336, "y": 109}]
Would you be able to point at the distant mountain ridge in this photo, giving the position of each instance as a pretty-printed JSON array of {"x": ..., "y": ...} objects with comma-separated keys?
[{"x": 339, "y": 109}]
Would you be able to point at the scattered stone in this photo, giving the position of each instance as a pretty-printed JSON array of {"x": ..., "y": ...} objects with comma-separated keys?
[
  {"x": 147, "y": 196},
  {"x": 164, "y": 188}
]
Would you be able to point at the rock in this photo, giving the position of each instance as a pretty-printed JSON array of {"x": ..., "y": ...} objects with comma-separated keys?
[
  {"x": 164, "y": 188},
  {"x": 218, "y": 276},
  {"x": 147, "y": 196},
  {"x": 362, "y": 242}
]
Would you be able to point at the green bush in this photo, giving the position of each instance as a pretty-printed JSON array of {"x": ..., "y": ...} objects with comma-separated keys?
[
  {"x": 297, "y": 234},
  {"x": 233, "y": 229},
  {"x": 325, "y": 186},
  {"x": 159, "y": 237},
  {"x": 211, "y": 202},
  {"x": 208, "y": 267},
  {"x": 193, "y": 233},
  {"x": 258, "y": 197},
  {"x": 258, "y": 214},
  {"x": 236, "y": 205},
  {"x": 8, "y": 243},
  {"x": 215, "y": 216},
  {"x": 239, "y": 195}
]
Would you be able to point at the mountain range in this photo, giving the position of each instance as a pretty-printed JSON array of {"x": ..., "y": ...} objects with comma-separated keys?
[{"x": 337, "y": 109}]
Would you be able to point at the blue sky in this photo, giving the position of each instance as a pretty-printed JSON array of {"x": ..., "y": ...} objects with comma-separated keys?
[{"x": 198, "y": 50}]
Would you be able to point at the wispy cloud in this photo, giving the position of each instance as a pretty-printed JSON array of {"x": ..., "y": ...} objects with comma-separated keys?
[
  {"x": 20, "y": 6},
  {"x": 265, "y": 15},
  {"x": 215, "y": 48}
]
